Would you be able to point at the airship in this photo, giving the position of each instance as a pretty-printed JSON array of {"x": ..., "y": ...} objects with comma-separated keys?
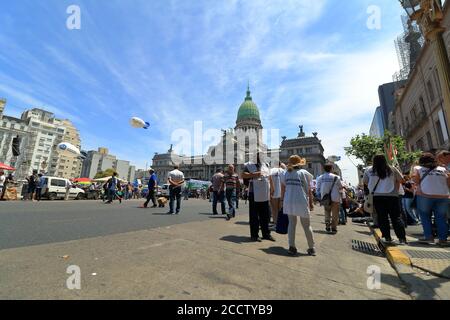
[
  {"x": 139, "y": 123},
  {"x": 68, "y": 149}
]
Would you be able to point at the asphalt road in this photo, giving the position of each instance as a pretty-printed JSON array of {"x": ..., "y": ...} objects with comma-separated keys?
[{"x": 31, "y": 223}]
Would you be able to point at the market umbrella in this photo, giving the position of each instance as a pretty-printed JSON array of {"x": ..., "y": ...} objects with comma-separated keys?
[
  {"x": 85, "y": 181},
  {"x": 5, "y": 167}
]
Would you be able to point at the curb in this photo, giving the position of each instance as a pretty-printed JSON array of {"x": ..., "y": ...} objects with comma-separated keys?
[{"x": 394, "y": 255}]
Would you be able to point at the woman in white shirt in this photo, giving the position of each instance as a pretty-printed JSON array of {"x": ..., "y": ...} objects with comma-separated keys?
[
  {"x": 298, "y": 201},
  {"x": 383, "y": 181},
  {"x": 432, "y": 195}
]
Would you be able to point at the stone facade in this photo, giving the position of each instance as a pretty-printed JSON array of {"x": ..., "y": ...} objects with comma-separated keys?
[{"x": 419, "y": 115}]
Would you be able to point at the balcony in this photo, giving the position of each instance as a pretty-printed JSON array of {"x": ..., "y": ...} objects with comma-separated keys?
[{"x": 415, "y": 124}]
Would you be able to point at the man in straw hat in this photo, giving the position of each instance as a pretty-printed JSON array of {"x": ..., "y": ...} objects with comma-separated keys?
[
  {"x": 298, "y": 201},
  {"x": 257, "y": 176},
  {"x": 329, "y": 187}
]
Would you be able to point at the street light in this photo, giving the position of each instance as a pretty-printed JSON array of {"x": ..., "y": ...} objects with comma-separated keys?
[{"x": 428, "y": 14}]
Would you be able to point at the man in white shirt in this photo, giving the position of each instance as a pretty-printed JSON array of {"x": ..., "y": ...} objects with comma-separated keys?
[
  {"x": 257, "y": 174},
  {"x": 330, "y": 185},
  {"x": 2, "y": 184},
  {"x": 176, "y": 181}
]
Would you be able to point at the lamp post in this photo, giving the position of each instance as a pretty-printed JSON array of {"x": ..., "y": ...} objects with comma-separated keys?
[{"x": 429, "y": 14}]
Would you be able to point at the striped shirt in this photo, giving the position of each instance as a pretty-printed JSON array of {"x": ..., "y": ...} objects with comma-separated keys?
[{"x": 231, "y": 181}]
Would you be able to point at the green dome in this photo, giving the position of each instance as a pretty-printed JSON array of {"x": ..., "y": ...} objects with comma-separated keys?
[{"x": 248, "y": 110}]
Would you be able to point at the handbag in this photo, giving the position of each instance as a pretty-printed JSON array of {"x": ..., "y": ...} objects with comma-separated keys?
[
  {"x": 282, "y": 223},
  {"x": 414, "y": 202},
  {"x": 326, "y": 200},
  {"x": 368, "y": 203}
]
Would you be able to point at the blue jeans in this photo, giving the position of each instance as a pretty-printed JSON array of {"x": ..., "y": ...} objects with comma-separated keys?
[
  {"x": 428, "y": 206},
  {"x": 175, "y": 194},
  {"x": 407, "y": 202},
  {"x": 231, "y": 199},
  {"x": 342, "y": 214}
]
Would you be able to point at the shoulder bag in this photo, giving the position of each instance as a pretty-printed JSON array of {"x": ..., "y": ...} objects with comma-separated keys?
[
  {"x": 326, "y": 199},
  {"x": 368, "y": 204}
]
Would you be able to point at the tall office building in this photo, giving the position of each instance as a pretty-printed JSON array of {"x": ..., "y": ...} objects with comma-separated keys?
[{"x": 101, "y": 160}]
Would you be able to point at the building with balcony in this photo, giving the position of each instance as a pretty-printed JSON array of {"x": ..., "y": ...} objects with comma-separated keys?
[{"x": 419, "y": 115}]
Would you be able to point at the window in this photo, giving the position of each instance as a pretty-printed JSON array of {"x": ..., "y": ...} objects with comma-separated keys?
[
  {"x": 430, "y": 91},
  {"x": 413, "y": 113},
  {"x": 429, "y": 141},
  {"x": 422, "y": 105},
  {"x": 58, "y": 183},
  {"x": 420, "y": 144},
  {"x": 439, "y": 132},
  {"x": 438, "y": 84}
]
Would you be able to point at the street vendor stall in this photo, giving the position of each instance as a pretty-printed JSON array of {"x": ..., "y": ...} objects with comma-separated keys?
[{"x": 10, "y": 187}]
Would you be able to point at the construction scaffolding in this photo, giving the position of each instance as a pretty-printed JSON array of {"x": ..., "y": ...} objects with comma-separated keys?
[{"x": 408, "y": 46}]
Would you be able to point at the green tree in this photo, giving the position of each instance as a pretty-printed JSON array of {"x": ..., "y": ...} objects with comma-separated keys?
[
  {"x": 365, "y": 147},
  {"x": 104, "y": 174}
]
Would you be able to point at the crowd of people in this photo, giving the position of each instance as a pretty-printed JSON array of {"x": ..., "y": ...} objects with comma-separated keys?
[{"x": 420, "y": 196}]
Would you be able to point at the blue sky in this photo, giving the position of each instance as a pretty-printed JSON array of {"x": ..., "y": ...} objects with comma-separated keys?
[{"x": 173, "y": 62}]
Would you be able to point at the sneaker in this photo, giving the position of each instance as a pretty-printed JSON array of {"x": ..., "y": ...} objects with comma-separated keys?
[
  {"x": 402, "y": 242},
  {"x": 312, "y": 252},
  {"x": 169, "y": 213},
  {"x": 154, "y": 206},
  {"x": 292, "y": 251},
  {"x": 257, "y": 239},
  {"x": 328, "y": 229},
  {"x": 426, "y": 241},
  {"x": 228, "y": 217},
  {"x": 387, "y": 242},
  {"x": 269, "y": 238},
  {"x": 334, "y": 231}
]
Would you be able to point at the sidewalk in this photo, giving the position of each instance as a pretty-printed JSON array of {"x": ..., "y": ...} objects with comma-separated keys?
[
  {"x": 211, "y": 259},
  {"x": 424, "y": 267}
]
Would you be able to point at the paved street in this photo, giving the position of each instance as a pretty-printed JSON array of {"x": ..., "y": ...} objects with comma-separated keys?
[
  {"x": 33, "y": 223},
  {"x": 130, "y": 253}
]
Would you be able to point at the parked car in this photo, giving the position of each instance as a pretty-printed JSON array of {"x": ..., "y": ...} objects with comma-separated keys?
[
  {"x": 165, "y": 190},
  {"x": 55, "y": 188}
]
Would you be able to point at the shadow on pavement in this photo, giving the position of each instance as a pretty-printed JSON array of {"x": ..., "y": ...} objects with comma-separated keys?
[
  {"x": 236, "y": 239},
  {"x": 242, "y": 223},
  {"x": 280, "y": 251},
  {"x": 366, "y": 233},
  {"x": 206, "y": 214},
  {"x": 161, "y": 214},
  {"x": 322, "y": 232}
]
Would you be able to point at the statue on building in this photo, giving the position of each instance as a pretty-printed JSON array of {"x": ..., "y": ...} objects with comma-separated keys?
[{"x": 301, "y": 133}]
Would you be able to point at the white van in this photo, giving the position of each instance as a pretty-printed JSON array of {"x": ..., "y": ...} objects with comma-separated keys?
[
  {"x": 55, "y": 188},
  {"x": 165, "y": 190}
]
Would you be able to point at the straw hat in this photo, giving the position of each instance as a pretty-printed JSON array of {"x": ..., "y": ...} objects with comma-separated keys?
[{"x": 296, "y": 161}]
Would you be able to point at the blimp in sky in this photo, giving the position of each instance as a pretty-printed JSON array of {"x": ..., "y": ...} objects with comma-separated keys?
[
  {"x": 139, "y": 123},
  {"x": 68, "y": 149}
]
